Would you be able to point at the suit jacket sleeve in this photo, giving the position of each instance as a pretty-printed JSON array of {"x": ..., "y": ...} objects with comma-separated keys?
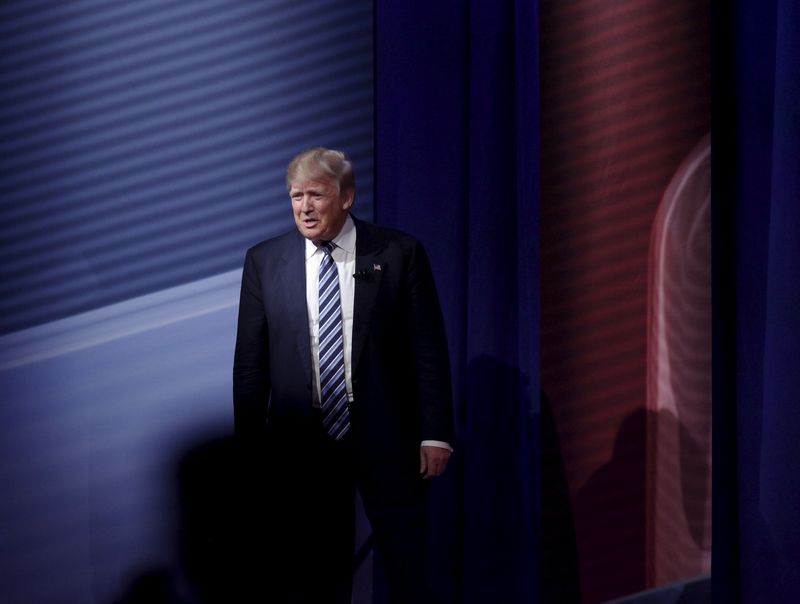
[
  {"x": 431, "y": 358},
  {"x": 251, "y": 375}
]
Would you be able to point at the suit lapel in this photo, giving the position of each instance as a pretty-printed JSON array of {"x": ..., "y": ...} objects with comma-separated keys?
[
  {"x": 369, "y": 273},
  {"x": 293, "y": 281}
]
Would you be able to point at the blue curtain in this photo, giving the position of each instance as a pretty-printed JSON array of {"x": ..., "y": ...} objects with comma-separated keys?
[
  {"x": 457, "y": 165},
  {"x": 757, "y": 302}
]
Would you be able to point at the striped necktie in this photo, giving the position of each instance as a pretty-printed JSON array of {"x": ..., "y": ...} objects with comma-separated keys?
[{"x": 333, "y": 393}]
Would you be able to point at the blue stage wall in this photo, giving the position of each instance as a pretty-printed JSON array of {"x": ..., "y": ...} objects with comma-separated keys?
[{"x": 143, "y": 144}]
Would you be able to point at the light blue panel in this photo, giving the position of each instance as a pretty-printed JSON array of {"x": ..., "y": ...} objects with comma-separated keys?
[{"x": 98, "y": 411}]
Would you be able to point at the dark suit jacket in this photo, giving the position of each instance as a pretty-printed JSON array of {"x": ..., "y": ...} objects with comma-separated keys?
[{"x": 400, "y": 368}]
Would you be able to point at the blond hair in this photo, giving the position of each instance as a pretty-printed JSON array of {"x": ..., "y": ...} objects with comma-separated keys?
[{"x": 320, "y": 163}]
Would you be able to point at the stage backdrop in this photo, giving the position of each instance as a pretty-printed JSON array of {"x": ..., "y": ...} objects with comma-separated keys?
[
  {"x": 142, "y": 149},
  {"x": 625, "y": 109}
]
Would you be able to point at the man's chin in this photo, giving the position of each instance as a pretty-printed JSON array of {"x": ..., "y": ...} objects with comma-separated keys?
[{"x": 309, "y": 233}]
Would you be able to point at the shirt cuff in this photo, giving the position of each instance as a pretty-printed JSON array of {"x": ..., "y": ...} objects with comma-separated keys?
[{"x": 437, "y": 443}]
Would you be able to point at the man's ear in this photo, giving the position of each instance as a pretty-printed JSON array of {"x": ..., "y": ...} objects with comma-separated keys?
[{"x": 348, "y": 197}]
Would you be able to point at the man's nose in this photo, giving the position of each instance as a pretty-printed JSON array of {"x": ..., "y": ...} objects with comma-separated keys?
[{"x": 305, "y": 203}]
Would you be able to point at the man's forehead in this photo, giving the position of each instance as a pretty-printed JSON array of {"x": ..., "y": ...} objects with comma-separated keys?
[{"x": 312, "y": 185}]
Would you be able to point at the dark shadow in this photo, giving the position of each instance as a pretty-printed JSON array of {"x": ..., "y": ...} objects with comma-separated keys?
[
  {"x": 501, "y": 490},
  {"x": 560, "y": 577},
  {"x": 444, "y": 538},
  {"x": 611, "y": 508},
  {"x": 221, "y": 522},
  {"x": 220, "y": 531},
  {"x": 610, "y": 517},
  {"x": 696, "y": 592},
  {"x": 154, "y": 587}
]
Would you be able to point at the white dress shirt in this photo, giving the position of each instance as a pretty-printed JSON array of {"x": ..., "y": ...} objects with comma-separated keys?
[{"x": 344, "y": 255}]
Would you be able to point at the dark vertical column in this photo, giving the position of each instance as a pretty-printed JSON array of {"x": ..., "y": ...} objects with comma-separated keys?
[{"x": 725, "y": 538}]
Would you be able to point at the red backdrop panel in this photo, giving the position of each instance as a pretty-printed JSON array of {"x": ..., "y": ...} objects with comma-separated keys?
[{"x": 625, "y": 98}]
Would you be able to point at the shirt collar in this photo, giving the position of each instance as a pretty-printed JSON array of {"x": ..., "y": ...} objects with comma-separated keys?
[{"x": 346, "y": 239}]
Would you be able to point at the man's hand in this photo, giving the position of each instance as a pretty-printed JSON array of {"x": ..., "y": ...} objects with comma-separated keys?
[{"x": 432, "y": 461}]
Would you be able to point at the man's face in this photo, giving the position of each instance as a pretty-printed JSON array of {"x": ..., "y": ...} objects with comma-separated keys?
[{"x": 320, "y": 210}]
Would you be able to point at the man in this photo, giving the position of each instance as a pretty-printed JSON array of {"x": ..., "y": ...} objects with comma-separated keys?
[{"x": 341, "y": 371}]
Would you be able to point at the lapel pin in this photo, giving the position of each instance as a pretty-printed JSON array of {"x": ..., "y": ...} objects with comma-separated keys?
[{"x": 376, "y": 267}]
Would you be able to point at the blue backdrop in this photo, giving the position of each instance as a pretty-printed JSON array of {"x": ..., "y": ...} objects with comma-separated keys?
[
  {"x": 141, "y": 141},
  {"x": 142, "y": 150}
]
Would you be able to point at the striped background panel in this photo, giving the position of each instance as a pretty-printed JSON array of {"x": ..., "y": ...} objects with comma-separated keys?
[
  {"x": 142, "y": 150},
  {"x": 143, "y": 144},
  {"x": 625, "y": 97}
]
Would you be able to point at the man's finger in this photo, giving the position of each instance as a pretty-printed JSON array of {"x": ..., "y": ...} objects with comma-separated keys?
[{"x": 423, "y": 462}]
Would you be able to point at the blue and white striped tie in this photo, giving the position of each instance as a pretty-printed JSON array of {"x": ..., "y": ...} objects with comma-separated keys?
[{"x": 333, "y": 392}]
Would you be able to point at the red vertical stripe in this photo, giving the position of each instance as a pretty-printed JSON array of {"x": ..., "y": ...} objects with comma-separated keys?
[{"x": 625, "y": 96}]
